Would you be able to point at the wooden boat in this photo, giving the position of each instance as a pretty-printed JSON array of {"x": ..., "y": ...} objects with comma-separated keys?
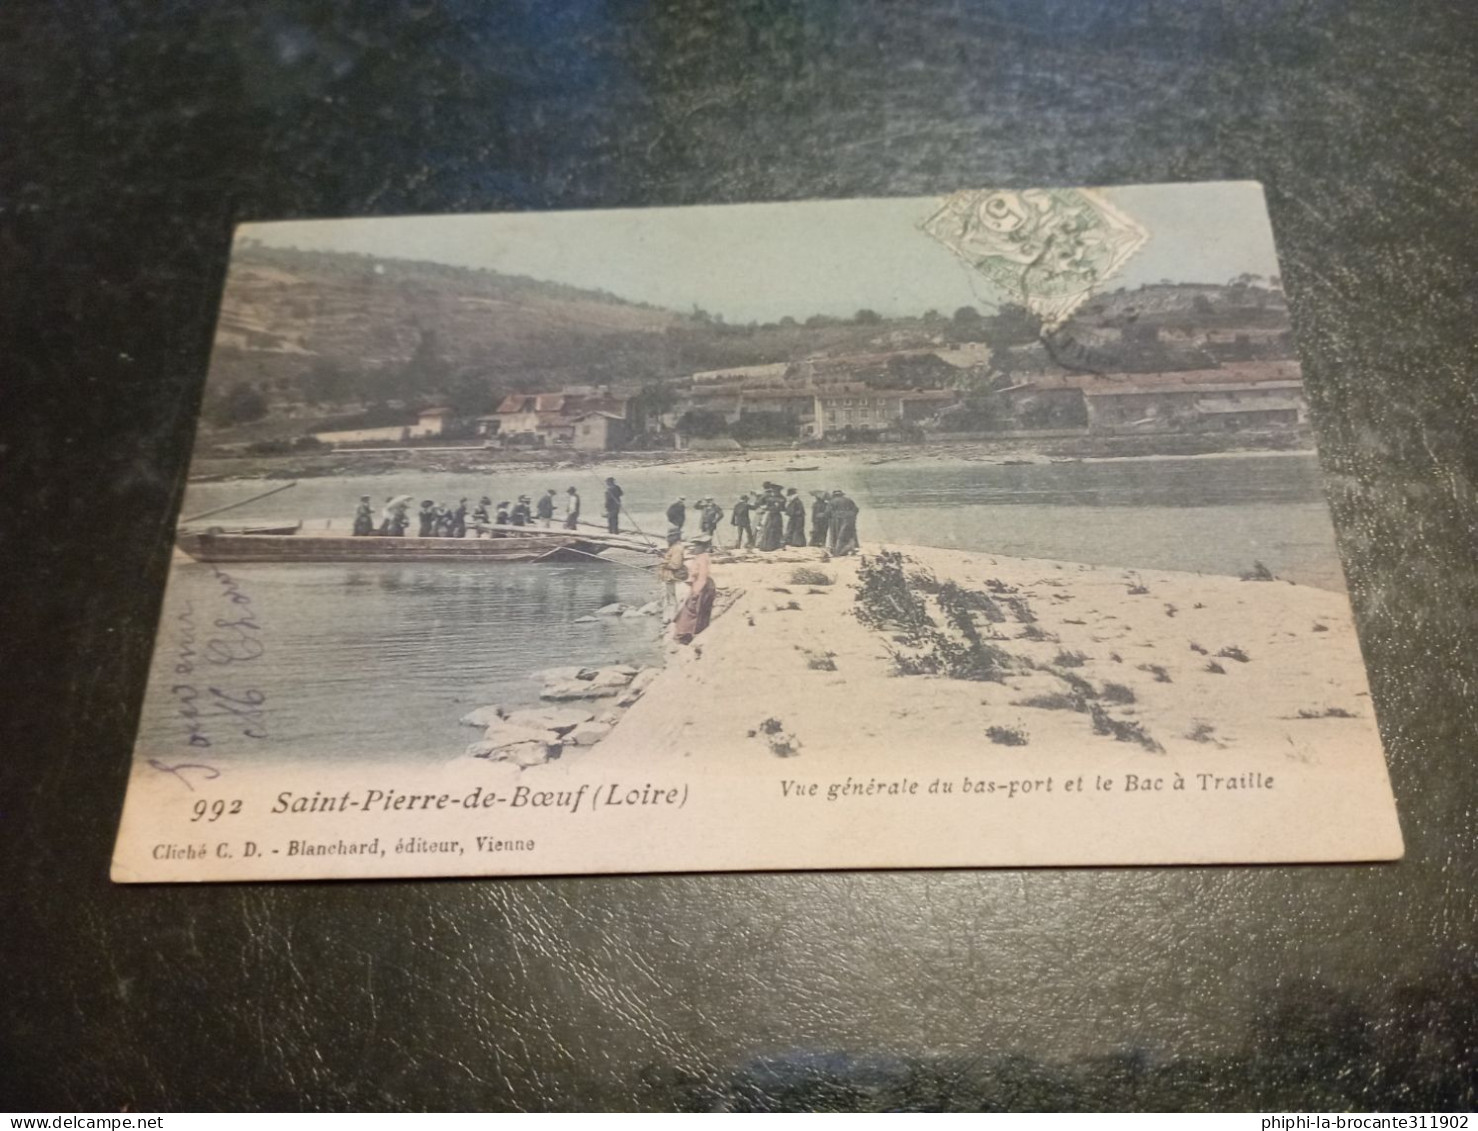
[
  {"x": 808, "y": 467},
  {"x": 525, "y": 546},
  {"x": 287, "y": 528}
]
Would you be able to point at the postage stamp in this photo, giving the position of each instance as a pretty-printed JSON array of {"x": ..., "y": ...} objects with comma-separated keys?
[
  {"x": 963, "y": 532},
  {"x": 1047, "y": 249}
]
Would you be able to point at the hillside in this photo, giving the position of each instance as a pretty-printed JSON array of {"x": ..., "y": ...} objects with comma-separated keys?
[
  {"x": 286, "y": 312},
  {"x": 305, "y": 337}
]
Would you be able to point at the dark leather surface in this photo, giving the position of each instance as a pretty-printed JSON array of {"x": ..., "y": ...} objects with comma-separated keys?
[{"x": 136, "y": 133}]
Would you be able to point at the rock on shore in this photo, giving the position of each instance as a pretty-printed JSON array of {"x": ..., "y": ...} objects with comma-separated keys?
[{"x": 585, "y": 704}]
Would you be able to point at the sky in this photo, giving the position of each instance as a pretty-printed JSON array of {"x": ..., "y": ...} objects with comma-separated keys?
[{"x": 761, "y": 262}]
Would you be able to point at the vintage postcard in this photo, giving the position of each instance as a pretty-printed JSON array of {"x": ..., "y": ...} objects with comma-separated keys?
[{"x": 968, "y": 531}]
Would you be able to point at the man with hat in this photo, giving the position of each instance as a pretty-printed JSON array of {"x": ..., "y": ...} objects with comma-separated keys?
[
  {"x": 572, "y": 509},
  {"x": 613, "y": 506},
  {"x": 364, "y": 517},
  {"x": 744, "y": 532},
  {"x": 545, "y": 508},
  {"x": 480, "y": 520},
  {"x": 677, "y": 514},
  {"x": 713, "y": 514},
  {"x": 521, "y": 514}
]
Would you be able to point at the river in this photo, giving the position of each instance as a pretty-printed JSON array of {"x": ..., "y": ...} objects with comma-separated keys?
[{"x": 381, "y": 660}]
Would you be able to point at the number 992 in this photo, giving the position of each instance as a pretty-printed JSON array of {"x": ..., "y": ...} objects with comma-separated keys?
[{"x": 204, "y": 810}]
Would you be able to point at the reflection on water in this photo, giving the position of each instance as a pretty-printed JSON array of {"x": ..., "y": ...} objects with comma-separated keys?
[{"x": 381, "y": 660}]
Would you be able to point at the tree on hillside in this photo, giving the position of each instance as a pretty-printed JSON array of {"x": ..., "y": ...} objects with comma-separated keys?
[
  {"x": 470, "y": 394},
  {"x": 980, "y": 412},
  {"x": 240, "y": 404},
  {"x": 427, "y": 370},
  {"x": 324, "y": 382},
  {"x": 1015, "y": 325},
  {"x": 913, "y": 371},
  {"x": 765, "y": 426},
  {"x": 702, "y": 423},
  {"x": 969, "y": 325},
  {"x": 383, "y": 384},
  {"x": 866, "y": 317},
  {"x": 651, "y": 403}
]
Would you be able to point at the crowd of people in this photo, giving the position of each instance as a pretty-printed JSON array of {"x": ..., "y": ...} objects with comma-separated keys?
[
  {"x": 775, "y": 517},
  {"x": 437, "y": 520},
  {"x": 769, "y": 519}
]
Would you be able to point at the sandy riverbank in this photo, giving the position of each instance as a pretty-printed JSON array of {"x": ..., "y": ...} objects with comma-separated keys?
[{"x": 1144, "y": 664}]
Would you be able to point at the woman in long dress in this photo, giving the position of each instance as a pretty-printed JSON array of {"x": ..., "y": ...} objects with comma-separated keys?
[
  {"x": 399, "y": 519},
  {"x": 843, "y": 524},
  {"x": 696, "y": 611},
  {"x": 772, "y": 520},
  {"x": 820, "y": 511},
  {"x": 795, "y": 513}
]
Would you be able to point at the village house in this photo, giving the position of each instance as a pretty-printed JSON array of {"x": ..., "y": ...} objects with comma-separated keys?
[
  {"x": 586, "y": 418},
  {"x": 1242, "y": 396},
  {"x": 863, "y": 409},
  {"x": 1195, "y": 407},
  {"x": 735, "y": 402},
  {"x": 430, "y": 422},
  {"x": 868, "y": 392},
  {"x": 599, "y": 431},
  {"x": 931, "y": 366}
]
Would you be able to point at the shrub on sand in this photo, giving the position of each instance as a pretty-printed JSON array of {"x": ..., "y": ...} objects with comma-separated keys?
[
  {"x": 805, "y": 575},
  {"x": 1054, "y": 701},
  {"x": 1104, "y": 723}
]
